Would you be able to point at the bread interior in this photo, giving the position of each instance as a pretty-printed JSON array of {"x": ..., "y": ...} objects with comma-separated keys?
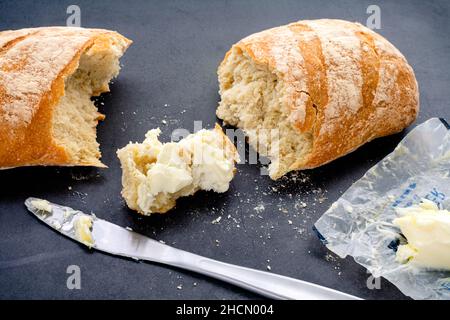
[
  {"x": 76, "y": 117},
  {"x": 256, "y": 100}
]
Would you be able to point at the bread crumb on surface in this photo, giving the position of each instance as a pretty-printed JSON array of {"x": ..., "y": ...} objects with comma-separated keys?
[
  {"x": 217, "y": 220},
  {"x": 259, "y": 208}
]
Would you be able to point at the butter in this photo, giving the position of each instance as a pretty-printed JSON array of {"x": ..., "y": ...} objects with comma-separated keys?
[
  {"x": 42, "y": 205},
  {"x": 212, "y": 168},
  {"x": 168, "y": 175},
  {"x": 171, "y": 172},
  {"x": 82, "y": 228},
  {"x": 427, "y": 230}
]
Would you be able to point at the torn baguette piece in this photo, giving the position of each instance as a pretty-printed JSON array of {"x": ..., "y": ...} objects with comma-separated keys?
[
  {"x": 155, "y": 175},
  {"x": 47, "y": 78},
  {"x": 312, "y": 91}
]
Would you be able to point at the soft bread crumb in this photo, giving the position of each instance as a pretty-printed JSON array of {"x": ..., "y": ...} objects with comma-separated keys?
[
  {"x": 75, "y": 118},
  {"x": 254, "y": 99},
  {"x": 155, "y": 175}
]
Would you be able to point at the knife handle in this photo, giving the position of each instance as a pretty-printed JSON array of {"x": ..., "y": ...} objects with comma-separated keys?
[{"x": 267, "y": 284}]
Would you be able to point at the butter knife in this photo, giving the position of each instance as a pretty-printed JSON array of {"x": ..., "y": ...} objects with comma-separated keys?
[{"x": 107, "y": 237}]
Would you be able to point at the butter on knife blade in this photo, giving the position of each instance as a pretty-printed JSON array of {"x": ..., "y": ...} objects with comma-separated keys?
[{"x": 72, "y": 223}]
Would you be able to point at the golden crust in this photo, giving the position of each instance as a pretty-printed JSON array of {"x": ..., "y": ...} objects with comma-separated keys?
[
  {"x": 358, "y": 86},
  {"x": 33, "y": 66}
]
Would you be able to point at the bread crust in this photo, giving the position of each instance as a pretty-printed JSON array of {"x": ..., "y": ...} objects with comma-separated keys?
[
  {"x": 348, "y": 85},
  {"x": 34, "y": 64}
]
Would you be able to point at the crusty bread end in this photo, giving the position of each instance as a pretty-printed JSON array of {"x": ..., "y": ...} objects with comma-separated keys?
[
  {"x": 312, "y": 91},
  {"x": 47, "y": 78}
]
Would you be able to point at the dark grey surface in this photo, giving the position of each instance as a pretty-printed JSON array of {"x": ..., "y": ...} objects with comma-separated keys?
[{"x": 177, "y": 47}]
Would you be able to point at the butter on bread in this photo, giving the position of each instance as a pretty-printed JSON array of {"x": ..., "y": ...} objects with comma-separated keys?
[
  {"x": 155, "y": 175},
  {"x": 328, "y": 86},
  {"x": 47, "y": 78}
]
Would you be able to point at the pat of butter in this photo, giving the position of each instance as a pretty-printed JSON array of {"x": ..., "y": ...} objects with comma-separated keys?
[
  {"x": 82, "y": 227},
  {"x": 171, "y": 172},
  {"x": 42, "y": 205},
  {"x": 212, "y": 167},
  {"x": 427, "y": 230}
]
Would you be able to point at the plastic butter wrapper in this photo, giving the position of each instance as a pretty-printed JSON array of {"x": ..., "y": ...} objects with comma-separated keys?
[{"x": 360, "y": 224}]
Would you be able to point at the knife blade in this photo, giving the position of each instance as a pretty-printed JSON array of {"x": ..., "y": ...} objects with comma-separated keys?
[{"x": 105, "y": 236}]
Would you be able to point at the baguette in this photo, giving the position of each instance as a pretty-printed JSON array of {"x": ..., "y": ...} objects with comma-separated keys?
[
  {"x": 47, "y": 78},
  {"x": 325, "y": 86}
]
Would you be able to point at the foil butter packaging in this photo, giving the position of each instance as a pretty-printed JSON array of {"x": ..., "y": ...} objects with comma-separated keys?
[{"x": 359, "y": 224}]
